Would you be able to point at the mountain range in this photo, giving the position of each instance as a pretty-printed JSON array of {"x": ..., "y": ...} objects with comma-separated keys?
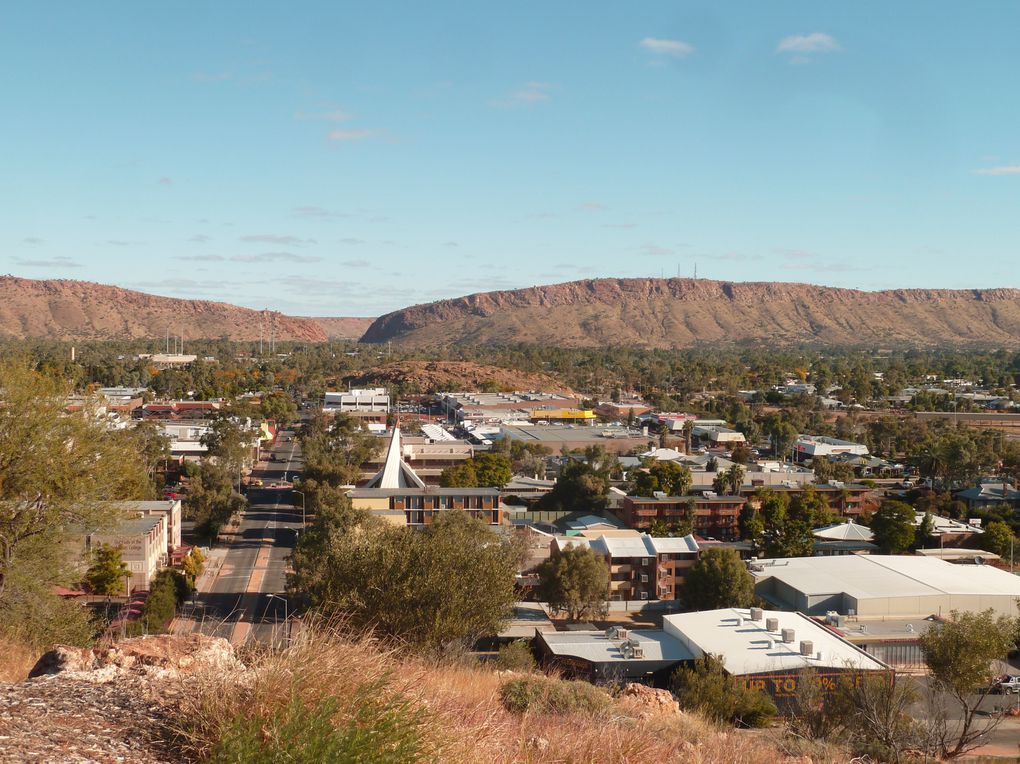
[{"x": 654, "y": 313}]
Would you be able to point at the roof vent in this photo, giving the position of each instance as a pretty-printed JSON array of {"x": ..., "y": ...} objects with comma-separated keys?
[
  {"x": 818, "y": 656},
  {"x": 807, "y": 648},
  {"x": 756, "y": 614},
  {"x": 772, "y": 624},
  {"x": 789, "y": 635}
]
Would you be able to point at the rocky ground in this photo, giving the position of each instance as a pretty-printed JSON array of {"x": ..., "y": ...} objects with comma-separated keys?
[{"x": 106, "y": 705}]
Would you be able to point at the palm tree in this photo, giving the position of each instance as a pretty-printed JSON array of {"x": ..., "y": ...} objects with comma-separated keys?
[{"x": 735, "y": 478}]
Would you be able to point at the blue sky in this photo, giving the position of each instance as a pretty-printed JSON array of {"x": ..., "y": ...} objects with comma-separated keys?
[{"x": 332, "y": 158}]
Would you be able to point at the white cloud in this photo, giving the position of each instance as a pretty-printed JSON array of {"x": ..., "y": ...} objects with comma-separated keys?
[
  {"x": 663, "y": 47},
  {"x": 333, "y": 115},
  {"x": 530, "y": 94},
  {"x": 816, "y": 42},
  {"x": 1005, "y": 169},
  {"x": 273, "y": 238},
  {"x": 353, "y": 134},
  {"x": 273, "y": 257},
  {"x": 56, "y": 262},
  {"x": 164, "y": 181}
]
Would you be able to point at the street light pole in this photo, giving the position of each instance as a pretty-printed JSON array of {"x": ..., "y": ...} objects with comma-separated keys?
[
  {"x": 302, "y": 494},
  {"x": 286, "y": 614}
]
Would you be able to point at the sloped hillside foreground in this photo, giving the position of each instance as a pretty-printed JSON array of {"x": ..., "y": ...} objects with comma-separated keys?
[{"x": 327, "y": 698}]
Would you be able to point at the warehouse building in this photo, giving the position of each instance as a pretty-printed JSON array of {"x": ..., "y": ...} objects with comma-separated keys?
[{"x": 884, "y": 585}]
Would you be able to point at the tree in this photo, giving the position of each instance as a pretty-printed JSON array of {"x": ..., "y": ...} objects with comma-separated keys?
[
  {"x": 735, "y": 479},
  {"x": 719, "y": 579},
  {"x": 461, "y": 475},
  {"x": 998, "y": 539},
  {"x": 822, "y": 468},
  {"x": 492, "y": 470},
  {"x": 57, "y": 470},
  {"x": 893, "y": 527},
  {"x": 926, "y": 530},
  {"x": 211, "y": 498},
  {"x": 752, "y": 527},
  {"x": 741, "y": 453},
  {"x": 581, "y": 485},
  {"x": 334, "y": 449},
  {"x": 668, "y": 477},
  {"x": 438, "y": 589},
  {"x": 575, "y": 581},
  {"x": 959, "y": 654},
  {"x": 707, "y": 689},
  {"x": 229, "y": 442},
  {"x": 106, "y": 574}
]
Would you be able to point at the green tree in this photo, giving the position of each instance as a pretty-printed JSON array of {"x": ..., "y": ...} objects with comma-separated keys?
[
  {"x": 437, "y": 589},
  {"x": 581, "y": 485},
  {"x": 229, "y": 442},
  {"x": 735, "y": 479},
  {"x": 106, "y": 574},
  {"x": 57, "y": 470},
  {"x": 335, "y": 448},
  {"x": 752, "y": 527},
  {"x": 719, "y": 579},
  {"x": 822, "y": 468},
  {"x": 492, "y": 470},
  {"x": 669, "y": 477},
  {"x": 575, "y": 581},
  {"x": 708, "y": 690},
  {"x": 998, "y": 539},
  {"x": 211, "y": 498},
  {"x": 461, "y": 475},
  {"x": 959, "y": 654},
  {"x": 893, "y": 527},
  {"x": 925, "y": 530}
]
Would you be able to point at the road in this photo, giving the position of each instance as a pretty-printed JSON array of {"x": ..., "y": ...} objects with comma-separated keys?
[{"x": 244, "y": 599}]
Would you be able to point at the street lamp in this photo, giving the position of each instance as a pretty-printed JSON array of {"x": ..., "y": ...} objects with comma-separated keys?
[
  {"x": 286, "y": 617},
  {"x": 302, "y": 494}
]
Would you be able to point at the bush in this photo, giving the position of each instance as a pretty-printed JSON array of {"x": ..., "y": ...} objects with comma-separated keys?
[
  {"x": 552, "y": 696},
  {"x": 516, "y": 656},
  {"x": 167, "y": 591},
  {"x": 707, "y": 689},
  {"x": 302, "y": 732}
]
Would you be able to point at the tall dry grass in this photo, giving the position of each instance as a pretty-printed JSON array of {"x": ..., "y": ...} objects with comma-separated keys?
[
  {"x": 454, "y": 711},
  {"x": 16, "y": 660}
]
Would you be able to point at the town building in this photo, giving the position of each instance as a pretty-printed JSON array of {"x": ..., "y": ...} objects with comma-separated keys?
[
  {"x": 367, "y": 401},
  {"x": 716, "y": 517},
  {"x": 641, "y": 567},
  {"x": 397, "y": 494},
  {"x": 884, "y": 585},
  {"x": 766, "y": 650},
  {"x": 809, "y": 446},
  {"x": 990, "y": 493},
  {"x": 426, "y": 457},
  {"x": 496, "y": 407}
]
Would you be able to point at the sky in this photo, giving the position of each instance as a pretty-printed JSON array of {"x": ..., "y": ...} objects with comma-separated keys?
[{"x": 349, "y": 159}]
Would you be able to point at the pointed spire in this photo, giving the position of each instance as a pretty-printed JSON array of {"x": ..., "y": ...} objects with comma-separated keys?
[{"x": 395, "y": 473}]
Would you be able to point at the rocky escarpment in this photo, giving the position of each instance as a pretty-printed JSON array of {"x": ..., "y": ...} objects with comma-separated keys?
[
  {"x": 668, "y": 313},
  {"x": 77, "y": 310}
]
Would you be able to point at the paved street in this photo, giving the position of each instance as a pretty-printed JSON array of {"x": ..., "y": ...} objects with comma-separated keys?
[{"x": 235, "y": 598}]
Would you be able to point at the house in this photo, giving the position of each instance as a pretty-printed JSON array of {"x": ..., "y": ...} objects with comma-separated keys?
[
  {"x": 641, "y": 567},
  {"x": 765, "y": 650},
  {"x": 397, "y": 494},
  {"x": 990, "y": 494},
  {"x": 843, "y": 538}
]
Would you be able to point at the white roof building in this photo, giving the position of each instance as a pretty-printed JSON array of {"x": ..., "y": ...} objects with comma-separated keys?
[
  {"x": 848, "y": 531},
  {"x": 884, "y": 585},
  {"x": 765, "y": 641}
]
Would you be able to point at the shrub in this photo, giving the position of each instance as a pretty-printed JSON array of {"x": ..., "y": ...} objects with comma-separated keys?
[
  {"x": 552, "y": 696},
  {"x": 707, "y": 689},
  {"x": 516, "y": 656}
]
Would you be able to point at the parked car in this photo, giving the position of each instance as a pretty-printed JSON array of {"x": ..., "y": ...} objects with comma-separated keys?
[{"x": 1009, "y": 684}]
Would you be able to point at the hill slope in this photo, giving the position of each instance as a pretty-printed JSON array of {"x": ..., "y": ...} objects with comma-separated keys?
[
  {"x": 71, "y": 310},
  {"x": 350, "y": 328},
  {"x": 681, "y": 312}
]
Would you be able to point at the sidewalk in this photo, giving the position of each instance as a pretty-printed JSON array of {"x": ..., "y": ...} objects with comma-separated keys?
[{"x": 184, "y": 623}]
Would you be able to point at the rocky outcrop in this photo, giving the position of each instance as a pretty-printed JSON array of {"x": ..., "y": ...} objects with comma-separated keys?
[
  {"x": 648, "y": 701},
  {"x": 79, "y": 310},
  {"x": 667, "y": 313},
  {"x": 158, "y": 656},
  {"x": 109, "y": 704},
  {"x": 343, "y": 328}
]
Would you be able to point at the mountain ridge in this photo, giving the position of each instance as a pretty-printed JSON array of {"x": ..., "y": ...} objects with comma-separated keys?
[
  {"x": 67, "y": 309},
  {"x": 676, "y": 312}
]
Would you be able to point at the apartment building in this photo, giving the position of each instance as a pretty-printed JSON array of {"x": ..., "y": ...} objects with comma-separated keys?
[
  {"x": 715, "y": 517},
  {"x": 641, "y": 567}
]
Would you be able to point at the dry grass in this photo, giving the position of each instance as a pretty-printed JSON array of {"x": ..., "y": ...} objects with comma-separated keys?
[
  {"x": 16, "y": 660},
  {"x": 460, "y": 719}
]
